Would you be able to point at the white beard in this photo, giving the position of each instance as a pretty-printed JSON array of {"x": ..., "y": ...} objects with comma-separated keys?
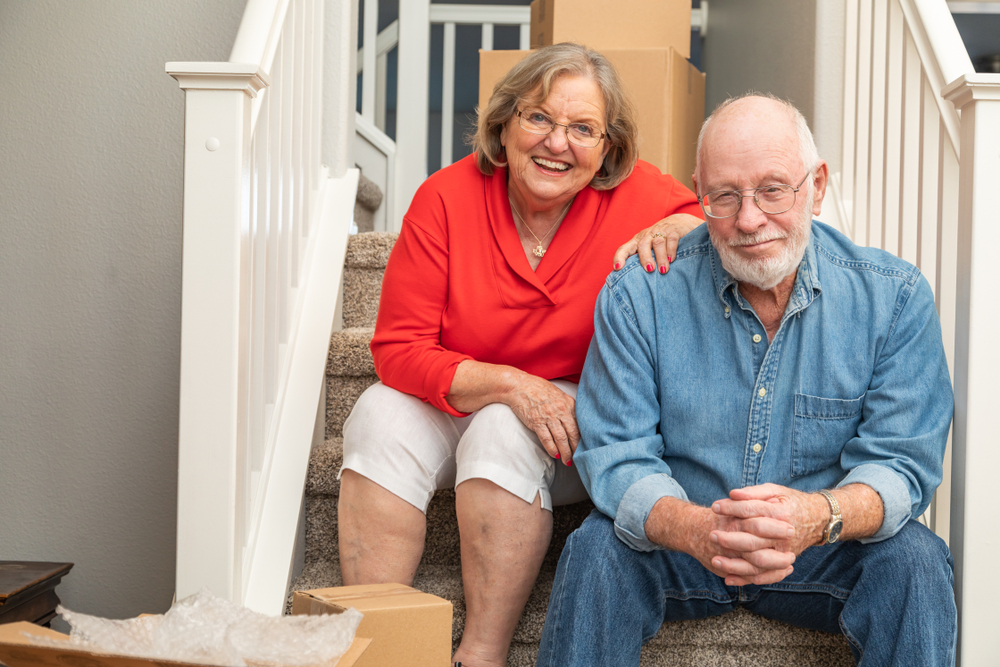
[{"x": 766, "y": 272}]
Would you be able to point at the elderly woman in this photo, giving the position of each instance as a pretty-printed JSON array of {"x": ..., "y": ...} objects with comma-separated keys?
[{"x": 485, "y": 318}]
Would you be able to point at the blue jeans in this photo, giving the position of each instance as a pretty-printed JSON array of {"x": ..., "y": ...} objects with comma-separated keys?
[{"x": 893, "y": 600}]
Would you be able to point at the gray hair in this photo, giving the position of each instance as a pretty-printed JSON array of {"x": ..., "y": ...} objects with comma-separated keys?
[
  {"x": 531, "y": 80},
  {"x": 807, "y": 145}
]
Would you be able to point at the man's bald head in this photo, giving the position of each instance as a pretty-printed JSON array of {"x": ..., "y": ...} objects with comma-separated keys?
[{"x": 756, "y": 112}]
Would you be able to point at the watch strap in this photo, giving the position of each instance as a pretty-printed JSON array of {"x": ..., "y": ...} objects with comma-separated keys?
[{"x": 835, "y": 518}]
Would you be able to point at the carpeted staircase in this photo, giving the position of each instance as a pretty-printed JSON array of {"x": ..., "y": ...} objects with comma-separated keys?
[{"x": 740, "y": 638}]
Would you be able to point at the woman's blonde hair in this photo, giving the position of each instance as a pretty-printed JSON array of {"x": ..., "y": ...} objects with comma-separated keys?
[{"x": 530, "y": 82}]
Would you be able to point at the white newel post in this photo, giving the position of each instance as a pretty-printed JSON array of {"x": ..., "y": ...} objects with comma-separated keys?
[
  {"x": 975, "y": 526},
  {"x": 212, "y": 447}
]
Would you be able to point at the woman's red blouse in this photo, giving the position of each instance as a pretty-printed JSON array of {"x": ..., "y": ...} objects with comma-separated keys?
[{"x": 458, "y": 285}]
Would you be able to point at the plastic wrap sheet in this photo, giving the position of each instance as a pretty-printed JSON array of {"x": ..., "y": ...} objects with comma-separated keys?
[{"x": 206, "y": 629}]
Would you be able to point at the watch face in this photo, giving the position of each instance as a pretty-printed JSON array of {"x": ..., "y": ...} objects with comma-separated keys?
[{"x": 835, "y": 529}]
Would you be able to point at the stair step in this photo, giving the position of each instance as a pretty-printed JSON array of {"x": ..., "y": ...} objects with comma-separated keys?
[
  {"x": 442, "y": 544},
  {"x": 367, "y": 255},
  {"x": 740, "y": 638},
  {"x": 341, "y": 393},
  {"x": 350, "y": 353},
  {"x": 368, "y": 199},
  {"x": 369, "y": 250}
]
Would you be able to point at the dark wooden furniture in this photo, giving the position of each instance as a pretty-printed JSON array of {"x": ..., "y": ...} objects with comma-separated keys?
[{"x": 28, "y": 590}]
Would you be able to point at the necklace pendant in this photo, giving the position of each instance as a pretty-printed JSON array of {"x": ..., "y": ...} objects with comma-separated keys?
[{"x": 538, "y": 251}]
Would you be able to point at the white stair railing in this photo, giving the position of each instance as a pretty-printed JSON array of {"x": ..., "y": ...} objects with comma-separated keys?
[
  {"x": 265, "y": 233},
  {"x": 400, "y": 167},
  {"x": 921, "y": 163}
]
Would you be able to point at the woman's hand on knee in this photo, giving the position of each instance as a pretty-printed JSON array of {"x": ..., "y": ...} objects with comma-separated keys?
[{"x": 550, "y": 413}]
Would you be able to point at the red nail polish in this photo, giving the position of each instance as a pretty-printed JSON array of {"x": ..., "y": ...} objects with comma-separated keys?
[
  {"x": 649, "y": 268},
  {"x": 618, "y": 265},
  {"x": 669, "y": 259},
  {"x": 568, "y": 462},
  {"x": 663, "y": 269},
  {"x": 557, "y": 454}
]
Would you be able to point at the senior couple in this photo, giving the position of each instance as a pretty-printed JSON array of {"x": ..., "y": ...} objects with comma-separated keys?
[{"x": 759, "y": 427}]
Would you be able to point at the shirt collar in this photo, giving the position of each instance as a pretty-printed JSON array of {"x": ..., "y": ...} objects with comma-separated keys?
[{"x": 807, "y": 283}]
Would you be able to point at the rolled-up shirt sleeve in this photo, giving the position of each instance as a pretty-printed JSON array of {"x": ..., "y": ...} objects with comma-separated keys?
[
  {"x": 407, "y": 346},
  {"x": 620, "y": 453},
  {"x": 900, "y": 444}
]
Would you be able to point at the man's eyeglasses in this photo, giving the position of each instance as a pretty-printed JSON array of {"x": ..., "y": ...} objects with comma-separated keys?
[
  {"x": 771, "y": 199},
  {"x": 581, "y": 134}
]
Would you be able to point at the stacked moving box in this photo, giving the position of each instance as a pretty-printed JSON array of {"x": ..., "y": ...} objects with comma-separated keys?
[{"x": 648, "y": 42}]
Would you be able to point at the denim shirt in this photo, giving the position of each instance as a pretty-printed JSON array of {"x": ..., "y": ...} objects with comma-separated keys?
[{"x": 682, "y": 394}]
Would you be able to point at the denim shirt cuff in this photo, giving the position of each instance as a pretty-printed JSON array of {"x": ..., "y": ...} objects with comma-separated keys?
[
  {"x": 637, "y": 503},
  {"x": 895, "y": 497}
]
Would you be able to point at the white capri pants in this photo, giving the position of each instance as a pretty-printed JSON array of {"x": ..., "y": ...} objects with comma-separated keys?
[{"x": 413, "y": 449}]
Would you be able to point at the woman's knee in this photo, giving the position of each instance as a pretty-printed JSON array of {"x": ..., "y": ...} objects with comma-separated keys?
[
  {"x": 401, "y": 443},
  {"x": 386, "y": 419}
]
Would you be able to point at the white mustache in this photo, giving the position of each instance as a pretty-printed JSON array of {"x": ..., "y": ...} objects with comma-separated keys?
[{"x": 754, "y": 239}]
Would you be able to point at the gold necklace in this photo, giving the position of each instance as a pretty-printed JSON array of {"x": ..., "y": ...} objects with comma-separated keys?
[{"x": 539, "y": 250}]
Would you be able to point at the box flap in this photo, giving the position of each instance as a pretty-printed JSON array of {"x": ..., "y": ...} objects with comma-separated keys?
[
  {"x": 16, "y": 650},
  {"x": 365, "y": 598}
]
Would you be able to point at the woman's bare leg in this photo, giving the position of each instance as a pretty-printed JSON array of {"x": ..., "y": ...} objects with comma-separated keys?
[
  {"x": 381, "y": 536},
  {"x": 504, "y": 540}
]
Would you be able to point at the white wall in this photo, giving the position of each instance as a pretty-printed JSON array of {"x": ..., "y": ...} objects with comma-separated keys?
[
  {"x": 791, "y": 48},
  {"x": 90, "y": 249}
]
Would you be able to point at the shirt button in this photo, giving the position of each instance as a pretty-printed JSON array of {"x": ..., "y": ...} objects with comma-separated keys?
[
  {"x": 756, "y": 338},
  {"x": 762, "y": 393},
  {"x": 727, "y": 309},
  {"x": 757, "y": 448}
]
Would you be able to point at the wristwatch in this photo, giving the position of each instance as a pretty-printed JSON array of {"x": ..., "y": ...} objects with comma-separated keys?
[{"x": 832, "y": 531}]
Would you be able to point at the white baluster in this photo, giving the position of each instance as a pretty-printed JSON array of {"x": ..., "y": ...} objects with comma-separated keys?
[
  {"x": 909, "y": 163},
  {"x": 850, "y": 108},
  {"x": 930, "y": 161},
  {"x": 487, "y": 40},
  {"x": 448, "y": 95},
  {"x": 893, "y": 128},
  {"x": 862, "y": 155},
  {"x": 368, "y": 73},
  {"x": 876, "y": 147}
]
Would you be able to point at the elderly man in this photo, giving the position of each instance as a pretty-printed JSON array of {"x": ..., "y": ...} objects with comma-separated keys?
[{"x": 763, "y": 428}]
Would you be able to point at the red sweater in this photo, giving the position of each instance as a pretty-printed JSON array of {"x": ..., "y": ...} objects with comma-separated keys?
[{"x": 458, "y": 285}]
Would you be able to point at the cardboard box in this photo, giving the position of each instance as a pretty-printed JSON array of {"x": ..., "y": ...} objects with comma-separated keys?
[
  {"x": 625, "y": 24},
  {"x": 407, "y": 627},
  {"x": 16, "y": 650},
  {"x": 668, "y": 91}
]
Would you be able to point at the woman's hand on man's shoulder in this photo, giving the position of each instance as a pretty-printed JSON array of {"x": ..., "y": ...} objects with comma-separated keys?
[{"x": 657, "y": 245}]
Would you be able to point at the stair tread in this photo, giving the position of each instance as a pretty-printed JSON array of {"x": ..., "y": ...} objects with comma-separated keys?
[
  {"x": 740, "y": 629},
  {"x": 350, "y": 352},
  {"x": 324, "y": 464},
  {"x": 370, "y": 250},
  {"x": 369, "y": 195}
]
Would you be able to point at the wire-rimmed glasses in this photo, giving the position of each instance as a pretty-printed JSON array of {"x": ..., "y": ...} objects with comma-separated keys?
[
  {"x": 581, "y": 134},
  {"x": 771, "y": 199}
]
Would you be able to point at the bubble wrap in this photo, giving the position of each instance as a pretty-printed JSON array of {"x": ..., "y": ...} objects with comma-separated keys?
[{"x": 206, "y": 629}]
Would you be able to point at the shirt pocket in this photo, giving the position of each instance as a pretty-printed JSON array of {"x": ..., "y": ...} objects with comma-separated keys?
[{"x": 821, "y": 428}]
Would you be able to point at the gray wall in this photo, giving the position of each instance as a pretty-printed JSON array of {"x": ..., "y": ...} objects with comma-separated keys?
[
  {"x": 791, "y": 48},
  {"x": 90, "y": 256}
]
